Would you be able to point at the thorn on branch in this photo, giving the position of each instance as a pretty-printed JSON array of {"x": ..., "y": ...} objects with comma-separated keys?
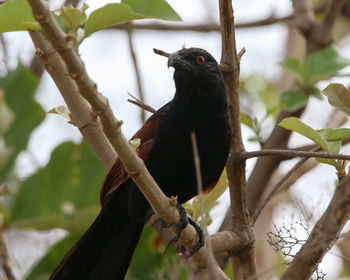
[
  {"x": 160, "y": 52},
  {"x": 240, "y": 54}
]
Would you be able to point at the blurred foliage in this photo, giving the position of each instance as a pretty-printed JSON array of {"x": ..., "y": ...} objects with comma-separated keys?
[
  {"x": 260, "y": 106},
  {"x": 316, "y": 67},
  {"x": 19, "y": 87}
]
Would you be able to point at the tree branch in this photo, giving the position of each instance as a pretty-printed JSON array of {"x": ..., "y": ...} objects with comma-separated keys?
[
  {"x": 291, "y": 154},
  {"x": 243, "y": 262},
  {"x": 323, "y": 236},
  {"x": 137, "y": 71},
  {"x": 203, "y": 27},
  {"x": 140, "y": 103},
  {"x": 83, "y": 118}
]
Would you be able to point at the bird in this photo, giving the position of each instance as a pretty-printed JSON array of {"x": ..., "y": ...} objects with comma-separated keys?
[{"x": 199, "y": 105}]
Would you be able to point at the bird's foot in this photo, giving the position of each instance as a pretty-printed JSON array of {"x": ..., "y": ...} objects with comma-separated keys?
[
  {"x": 199, "y": 244},
  {"x": 183, "y": 222}
]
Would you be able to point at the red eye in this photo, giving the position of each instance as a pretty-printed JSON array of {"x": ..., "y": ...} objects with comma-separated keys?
[{"x": 200, "y": 59}]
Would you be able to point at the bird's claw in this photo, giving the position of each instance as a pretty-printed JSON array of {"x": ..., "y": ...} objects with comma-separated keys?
[
  {"x": 199, "y": 244},
  {"x": 183, "y": 222}
]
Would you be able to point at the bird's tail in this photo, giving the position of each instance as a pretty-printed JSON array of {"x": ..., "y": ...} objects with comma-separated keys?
[{"x": 105, "y": 250}]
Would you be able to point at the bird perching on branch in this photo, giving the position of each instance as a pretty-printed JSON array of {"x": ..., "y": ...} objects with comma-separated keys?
[{"x": 199, "y": 105}]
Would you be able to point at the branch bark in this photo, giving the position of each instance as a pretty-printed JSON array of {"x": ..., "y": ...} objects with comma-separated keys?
[
  {"x": 243, "y": 262},
  {"x": 291, "y": 154},
  {"x": 83, "y": 117}
]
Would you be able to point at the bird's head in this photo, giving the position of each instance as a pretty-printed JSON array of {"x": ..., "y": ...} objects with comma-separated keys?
[{"x": 194, "y": 65}]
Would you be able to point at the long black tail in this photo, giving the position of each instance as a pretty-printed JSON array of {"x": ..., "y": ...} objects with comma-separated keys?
[{"x": 105, "y": 250}]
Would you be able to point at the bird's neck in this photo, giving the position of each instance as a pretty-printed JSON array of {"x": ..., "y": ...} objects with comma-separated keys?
[{"x": 198, "y": 101}]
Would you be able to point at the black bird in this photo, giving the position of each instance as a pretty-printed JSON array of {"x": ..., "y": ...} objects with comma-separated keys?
[{"x": 199, "y": 105}]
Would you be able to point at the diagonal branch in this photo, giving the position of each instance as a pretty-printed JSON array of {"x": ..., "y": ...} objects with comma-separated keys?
[{"x": 83, "y": 117}]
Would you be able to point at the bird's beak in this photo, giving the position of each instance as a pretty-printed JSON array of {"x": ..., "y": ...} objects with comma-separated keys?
[{"x": 174, "y": 60}]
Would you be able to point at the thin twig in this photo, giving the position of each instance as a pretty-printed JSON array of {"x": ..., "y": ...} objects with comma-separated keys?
[
  {"x": 241, "y": 53},
  {"x": 205, "y": 27},
  {"x": 291, "y": 154},
  {"x": 139, "y": 103},
  {"x": 200, "y": 199},
  {"x": 137, "y": 71},
  {"x": 160, "y": 52}
]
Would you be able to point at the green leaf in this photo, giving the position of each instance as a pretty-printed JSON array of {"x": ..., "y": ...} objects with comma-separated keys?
[
  {"x": 323, "y": 63},
  {"x": 6, "y": 114},
  {"x": 159, "y": 9},
  {"x": 247, "y": 120},
  {"x": 19, "y": 87},
  {"x": 317, "y": 66},
  {"x": 338, "y": 134},
  {"x": 109, "y": 15},
  {"x": 293, "y": 100},
  {"x": 15, "y": 15},
  {"x": 62, "y": 111},
  {"x": 72, "y": 177},
  {"x": 339, "y": 97},
  {"x": 73, "y": 17},
  {"x": 298, "y": 126},
  {"x": 115, "y": 13},
  {"x": 270, "y": 99},
  {"x": 210, "y": 199},
  {"x": 319, "y": 137},
  {"x": 296, "y": 67}
]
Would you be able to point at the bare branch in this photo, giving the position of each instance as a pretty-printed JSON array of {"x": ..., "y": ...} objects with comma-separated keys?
[
  {"x": 83, "y": 117},
  {"x": 160, "y": 52},
  {"x": 272, "y": 19},
  {"x": 137, "y": 72},
  {"x": 243, "y": 263},
  {"x": 291, "y": 154},
  {"x": 140, "y": 103},
  {"x": 200, "y": 198}
]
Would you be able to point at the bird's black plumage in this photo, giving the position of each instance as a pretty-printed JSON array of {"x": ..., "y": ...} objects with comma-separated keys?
[{"x": 199, "y": 105}]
